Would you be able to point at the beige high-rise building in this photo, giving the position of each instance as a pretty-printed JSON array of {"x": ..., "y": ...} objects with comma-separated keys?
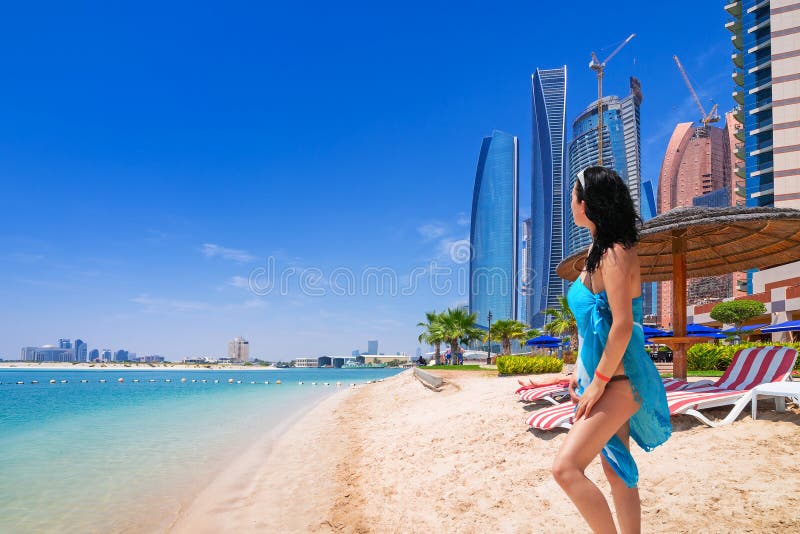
[
  {"x": 734, "y": 130},
  {"x": 784, "y": 20},
  {"x": 239, "y": 350}
]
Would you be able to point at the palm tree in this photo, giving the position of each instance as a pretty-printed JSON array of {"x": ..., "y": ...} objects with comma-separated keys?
[
  {"x": 432, "y": 335},
  {"x": 459, "y": 327},
  {"x": 505, "y": 330},
  {"x": 563, "y": 323}
]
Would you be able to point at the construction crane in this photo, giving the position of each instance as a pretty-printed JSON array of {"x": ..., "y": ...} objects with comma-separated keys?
[
  {"x": 599, "y": 67},
  {"x": 707, "y": 118}
]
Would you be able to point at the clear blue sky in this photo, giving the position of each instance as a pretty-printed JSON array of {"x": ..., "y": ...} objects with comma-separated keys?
[{"x": 153, "y": 155}]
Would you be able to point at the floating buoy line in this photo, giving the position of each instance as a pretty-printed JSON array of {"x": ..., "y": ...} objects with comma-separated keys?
[{"x": 121, "y": 380}]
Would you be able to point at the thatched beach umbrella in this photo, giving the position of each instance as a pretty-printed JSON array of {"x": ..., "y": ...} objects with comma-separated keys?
[{"x": 693, "y": 242}]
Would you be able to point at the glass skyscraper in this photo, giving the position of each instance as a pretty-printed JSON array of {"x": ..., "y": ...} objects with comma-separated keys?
[
  {"x": 493, "y": 229},
  {"x": 548, "y": 200},
  {"x": 621, "y": 151},
  {"x": 649, "y": 289},
  {"x": 525, "y": 273}
]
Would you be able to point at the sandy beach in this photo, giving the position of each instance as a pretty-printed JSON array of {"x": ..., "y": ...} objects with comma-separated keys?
[{"x": 394, "y": 456}]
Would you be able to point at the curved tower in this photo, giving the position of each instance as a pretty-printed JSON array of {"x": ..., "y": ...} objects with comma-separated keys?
[
  {"x": 548, "y": 200},
  {"x": 493, "y": 229}
]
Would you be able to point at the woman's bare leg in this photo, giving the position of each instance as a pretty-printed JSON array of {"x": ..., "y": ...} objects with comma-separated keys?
[
  {"x": 626, "y": 500},
  {"x": 583, "y": 444}
]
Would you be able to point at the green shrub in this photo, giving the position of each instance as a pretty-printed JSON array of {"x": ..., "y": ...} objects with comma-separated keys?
[
  {"x": 516, "y": 365},
  {"x": 706, "y": 356},
  {"x": 570, "y": 356}
]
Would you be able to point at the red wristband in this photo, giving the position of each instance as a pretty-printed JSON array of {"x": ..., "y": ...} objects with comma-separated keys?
[{"x": 601, "y": 376}]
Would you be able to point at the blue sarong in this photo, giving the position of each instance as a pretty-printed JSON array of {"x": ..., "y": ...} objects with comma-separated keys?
[{"x": 650, "y": 425}]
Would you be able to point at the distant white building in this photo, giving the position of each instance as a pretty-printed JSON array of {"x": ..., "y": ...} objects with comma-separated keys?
[
  {"x": 48, "y": 353},
  {"x": 239, "y": 350},
  {"x": 203, "y": 360},
  {"x": 306, "y": 362}
]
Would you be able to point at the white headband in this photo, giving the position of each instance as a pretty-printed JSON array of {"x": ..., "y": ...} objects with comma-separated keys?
[{"x": 580, "y": 179}]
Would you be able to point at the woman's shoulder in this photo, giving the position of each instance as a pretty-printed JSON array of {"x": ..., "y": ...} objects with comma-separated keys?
[{"x": 617, "y": 254}]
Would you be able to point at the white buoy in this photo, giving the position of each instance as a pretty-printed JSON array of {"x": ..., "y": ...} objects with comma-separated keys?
[
  {"x": 168, "y": 380},
  {"x": 252, "y": 381},
  {"x": 83, "y": 381},
  {"x": 216, "y": 381},
  {"x": 266, "y": 382},
  {"x": 64, "y": 381},
  {"x": 338, "y": 384},
  {"x": 204, "y": 381},
  {"x": 238, "y": 381},
  {"x": 194, "y": 380},
  {"x": 152, "y": 380},
  {"x": 34, "y": 381},
  {"x": 183, "y": 380},
  {"x": 230, "y": 381},
  {"x": 313, "y": 383},
  {"x": 327, "y": 384},
  {"x": 52, "y": 380},
  {"x": 136, "y": 380},
  {"x": 120, "y": 380},
  {"x": 20, "y": 382},
  {"x": 102, "y": 380},
  {"x": 277, "y": 381},
  {"x": 301, "y": 382}
]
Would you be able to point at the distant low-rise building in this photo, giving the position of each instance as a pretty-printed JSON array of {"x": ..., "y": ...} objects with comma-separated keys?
[
  {"x": 383, "y": 358},
  {"x": 47, "y": 353},
  {"x": 306, "y": 362},
  {"x": 199, "y": 360},
  {"x": 151, "y": 358}
]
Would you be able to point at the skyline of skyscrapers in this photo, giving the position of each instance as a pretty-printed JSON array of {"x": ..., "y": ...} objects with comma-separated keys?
[
  {"x": 548, "y": 163},
  {"x": 494, "y": 229}
]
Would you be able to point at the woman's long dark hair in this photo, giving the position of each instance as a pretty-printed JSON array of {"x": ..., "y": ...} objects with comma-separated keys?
[{"x": 610, "y": 207}]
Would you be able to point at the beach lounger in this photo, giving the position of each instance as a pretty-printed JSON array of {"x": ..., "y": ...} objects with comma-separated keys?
[
  {"x": 560, "y": 415},
  {"x": 749, "y": 368},
  {"x": 549, "y": 393},
  {"x": 557, "y": 393}
]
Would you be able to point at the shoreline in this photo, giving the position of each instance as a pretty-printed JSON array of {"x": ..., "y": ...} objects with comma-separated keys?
[
  {"x": 232, "y": 499},
  {"x": 240, "y": 465},
  {"x": 398, "y": 457}
]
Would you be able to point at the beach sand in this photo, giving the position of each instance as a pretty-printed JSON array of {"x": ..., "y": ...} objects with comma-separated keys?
[{"x": 394, "y": 456}]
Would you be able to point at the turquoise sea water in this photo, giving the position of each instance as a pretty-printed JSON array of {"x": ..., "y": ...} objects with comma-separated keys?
[{"x": 125, "y": 457}]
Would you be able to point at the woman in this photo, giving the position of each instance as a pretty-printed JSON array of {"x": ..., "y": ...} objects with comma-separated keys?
[{"x": 618, "y": 391}]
